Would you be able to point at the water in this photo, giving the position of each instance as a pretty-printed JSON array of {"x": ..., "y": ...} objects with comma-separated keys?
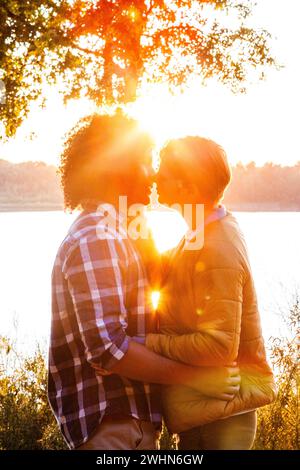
[{"x": 29, "y": 241}]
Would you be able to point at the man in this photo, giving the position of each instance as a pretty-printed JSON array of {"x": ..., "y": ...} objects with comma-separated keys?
[{"x": 101, "y": 309}]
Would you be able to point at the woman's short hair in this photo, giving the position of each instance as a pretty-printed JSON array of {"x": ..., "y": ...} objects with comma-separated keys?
[{"x": 200, "y": 161}]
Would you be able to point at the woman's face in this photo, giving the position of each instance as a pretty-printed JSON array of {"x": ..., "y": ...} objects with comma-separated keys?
[{"x": 173, "y": 188}]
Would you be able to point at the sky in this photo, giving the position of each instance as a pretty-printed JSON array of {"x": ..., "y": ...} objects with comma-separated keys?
[{"x": 261, "y": 126}]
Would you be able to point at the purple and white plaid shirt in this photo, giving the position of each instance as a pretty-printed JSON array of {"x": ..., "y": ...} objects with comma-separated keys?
[{"x": 100, "y": 299}]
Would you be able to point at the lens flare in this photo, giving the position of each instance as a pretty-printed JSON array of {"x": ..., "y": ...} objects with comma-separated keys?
[{"x": 155, "y": 296}]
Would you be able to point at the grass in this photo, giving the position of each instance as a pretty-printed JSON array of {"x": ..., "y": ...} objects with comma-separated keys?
[{"x": 26, "y": 421}]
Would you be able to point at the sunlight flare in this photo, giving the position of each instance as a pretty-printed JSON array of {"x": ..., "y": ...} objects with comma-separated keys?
[
  {"x": 167, "y": 227},
  {"x": 166, "y": 224},
  {"x": 155, "y": 296},
  {"x": 166, "y": 116}
]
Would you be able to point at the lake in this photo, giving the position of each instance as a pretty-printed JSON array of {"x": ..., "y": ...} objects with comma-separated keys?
[{"x": 29, "y": 241}]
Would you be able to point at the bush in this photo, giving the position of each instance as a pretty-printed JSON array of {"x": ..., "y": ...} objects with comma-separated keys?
[
  {"x": 27, "y": 422},
  {"x": 278, "y": 423}
]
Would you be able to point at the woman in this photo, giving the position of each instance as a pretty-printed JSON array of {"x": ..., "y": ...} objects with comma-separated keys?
[{"x": 208, "y": 310}]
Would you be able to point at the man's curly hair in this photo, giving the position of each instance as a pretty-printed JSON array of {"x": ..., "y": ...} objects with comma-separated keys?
[{"x": 97, "y": 149}]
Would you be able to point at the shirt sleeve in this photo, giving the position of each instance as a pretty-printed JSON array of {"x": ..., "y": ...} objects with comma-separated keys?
[{"x": 95, "y": 274}]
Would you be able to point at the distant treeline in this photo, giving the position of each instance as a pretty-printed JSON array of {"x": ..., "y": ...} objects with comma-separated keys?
[
  {"x": 29, "y": 185},
  {"x": 271, "y": 187}
]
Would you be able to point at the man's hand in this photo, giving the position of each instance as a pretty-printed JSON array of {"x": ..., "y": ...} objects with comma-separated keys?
[
  {"x": 139, "y": 363},
  {"x": 222, "y": 383}
]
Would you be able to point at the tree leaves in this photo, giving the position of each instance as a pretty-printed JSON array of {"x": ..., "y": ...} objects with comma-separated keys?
[{"x": 103, "y": 49}]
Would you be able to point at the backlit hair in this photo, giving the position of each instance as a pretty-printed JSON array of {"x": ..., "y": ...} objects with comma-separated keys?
[
  {"x": 102, "y": 150},
  {"x": 200, "y": 161}
]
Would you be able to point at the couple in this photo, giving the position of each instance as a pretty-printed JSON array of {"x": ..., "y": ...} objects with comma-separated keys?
[{"x": 116, "y": 366}]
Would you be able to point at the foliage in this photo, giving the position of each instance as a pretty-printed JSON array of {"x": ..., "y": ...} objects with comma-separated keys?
[
  {"x": 278, "y": 423},
  {"x": 167, "y": 441},
  {"x": 105, "y": 49},
  {"x": 26, "y": 421}
]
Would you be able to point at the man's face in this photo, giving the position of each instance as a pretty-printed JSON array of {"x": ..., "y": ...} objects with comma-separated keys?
[{"x": 141, "y": 178}]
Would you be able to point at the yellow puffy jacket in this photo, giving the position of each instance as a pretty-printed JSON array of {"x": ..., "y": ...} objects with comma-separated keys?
[{"x": 208, "y": 316}]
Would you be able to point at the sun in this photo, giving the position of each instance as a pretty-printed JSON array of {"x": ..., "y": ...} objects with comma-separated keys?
[
  {"x": 161, "y": 114},
  {"x": 165, "y": 115},
  {"x": 154, "y": 114}
]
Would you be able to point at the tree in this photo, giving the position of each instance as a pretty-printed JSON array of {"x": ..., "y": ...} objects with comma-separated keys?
[{"x": 105, "y": 49}]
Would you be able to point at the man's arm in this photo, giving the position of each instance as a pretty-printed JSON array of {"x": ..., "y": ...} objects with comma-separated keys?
[
  {"x": 94, "y": 272},
  {"x": 139, "y": 363}
]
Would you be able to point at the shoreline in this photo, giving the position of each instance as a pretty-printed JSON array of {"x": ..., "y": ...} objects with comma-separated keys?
[
  {"x": 59, "y": 207},
  {"x": 31, "y": 207}
]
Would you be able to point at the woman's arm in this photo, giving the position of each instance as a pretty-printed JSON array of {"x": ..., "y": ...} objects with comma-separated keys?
[{"x": 217, "y": 315}]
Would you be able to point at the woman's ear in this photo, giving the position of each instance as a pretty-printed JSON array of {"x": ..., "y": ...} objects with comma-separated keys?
[
  {"x": 179, "y": 185},
  {"x": 187, "y": 192},
  {"x": 193, "y": 191}
]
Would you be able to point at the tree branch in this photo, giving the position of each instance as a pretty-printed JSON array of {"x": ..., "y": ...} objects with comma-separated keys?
[
  {"x": 10, "y": 14},
  {"x": 152, "y": 3},
  {"x": 87, "y": 51},
  {"x": 115, "y": 67}
]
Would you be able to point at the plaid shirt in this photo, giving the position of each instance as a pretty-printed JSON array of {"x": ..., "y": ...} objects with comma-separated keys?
[{"x": 100, "y": 298}]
